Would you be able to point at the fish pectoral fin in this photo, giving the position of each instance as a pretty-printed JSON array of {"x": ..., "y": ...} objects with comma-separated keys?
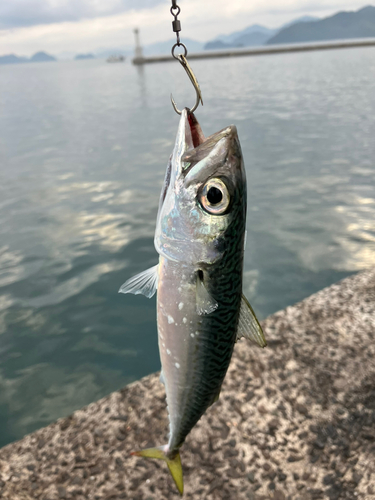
[
  {"x": 248, "y": 325},
  {"x": 205, "y": 304},
  {"x": 145, "y": 283},
  {"x": 174, "y": 464}
]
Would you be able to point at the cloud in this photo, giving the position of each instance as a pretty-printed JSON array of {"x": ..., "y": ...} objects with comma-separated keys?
[
  {"x": 88, "y": 34},
  {"x": 97, "y": 23},
  {"x": 20, "y": 13}
]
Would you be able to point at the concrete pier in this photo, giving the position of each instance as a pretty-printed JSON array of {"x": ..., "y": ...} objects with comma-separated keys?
[
  {"x": 264, "y": 50},
  {"x": 295, "y": 421}
]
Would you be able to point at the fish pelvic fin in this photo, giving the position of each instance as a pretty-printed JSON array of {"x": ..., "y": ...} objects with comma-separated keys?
[{"x": 174, "y": 464}]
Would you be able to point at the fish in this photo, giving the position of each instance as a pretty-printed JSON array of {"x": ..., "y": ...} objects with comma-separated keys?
[{"x": 201, "y": 310}]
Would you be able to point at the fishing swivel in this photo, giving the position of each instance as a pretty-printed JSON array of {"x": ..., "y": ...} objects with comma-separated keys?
[{"x": 181, "y": 58}]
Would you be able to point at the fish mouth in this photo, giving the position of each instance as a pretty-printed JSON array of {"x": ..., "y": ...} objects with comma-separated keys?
[
  {"x": 193, "y": 131},
  {"x": 208, "y": 154},
  {"x": 191, "y": 147},
  {"x": 189, "y": 137},
  {"x": 194, "y": 136}
]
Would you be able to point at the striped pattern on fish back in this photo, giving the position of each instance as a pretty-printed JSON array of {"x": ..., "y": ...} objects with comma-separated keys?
[{"x": 218, "y": 330}]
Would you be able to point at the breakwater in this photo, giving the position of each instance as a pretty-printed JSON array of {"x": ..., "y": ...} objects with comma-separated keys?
[{"x": 264, "y": 50}]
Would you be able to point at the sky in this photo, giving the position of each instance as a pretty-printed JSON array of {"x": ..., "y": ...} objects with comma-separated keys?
[{"x": 80, "y": 26}]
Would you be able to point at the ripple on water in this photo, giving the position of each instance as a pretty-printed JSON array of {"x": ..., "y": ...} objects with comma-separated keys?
[{"x": 79, "y": 189}]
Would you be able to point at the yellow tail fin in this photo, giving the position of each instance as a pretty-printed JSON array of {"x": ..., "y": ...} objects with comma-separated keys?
[{"x": 174, "y": 464}]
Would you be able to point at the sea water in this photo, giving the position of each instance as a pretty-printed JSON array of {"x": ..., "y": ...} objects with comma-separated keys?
[{"x": 83, "y": 152}]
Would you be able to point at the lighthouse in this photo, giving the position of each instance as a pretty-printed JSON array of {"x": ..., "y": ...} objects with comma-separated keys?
[{"x": 138, "y": 53}]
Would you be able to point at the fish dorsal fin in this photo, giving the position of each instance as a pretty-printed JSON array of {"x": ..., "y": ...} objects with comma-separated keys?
[
  {"x": 145, "y": 283},
  {"x": 205, "y": 303},
  {"x": 248, "y": 325}
]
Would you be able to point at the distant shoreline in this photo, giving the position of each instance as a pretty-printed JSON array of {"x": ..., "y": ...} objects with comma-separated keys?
[
  {"x": 266, "y": 49},
  {"x": 38, "y": 57}
]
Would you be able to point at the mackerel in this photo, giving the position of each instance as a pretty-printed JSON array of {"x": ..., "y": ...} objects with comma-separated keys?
[{"x": 201, "y": 311}]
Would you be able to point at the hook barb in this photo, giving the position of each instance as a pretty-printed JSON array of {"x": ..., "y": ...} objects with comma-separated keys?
[{"x": 183, "y": 61}]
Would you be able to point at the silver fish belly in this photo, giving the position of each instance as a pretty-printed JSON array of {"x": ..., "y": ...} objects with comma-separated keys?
[
  {"x": 194, "y": 360},
  {"x": 201, "y": 311}
]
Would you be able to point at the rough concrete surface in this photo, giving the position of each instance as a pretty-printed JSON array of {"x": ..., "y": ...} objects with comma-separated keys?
[{"x": 294, "y": 421}]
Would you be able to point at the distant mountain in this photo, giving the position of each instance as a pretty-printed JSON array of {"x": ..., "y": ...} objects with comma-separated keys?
[
  {"x": 12, "y": 59},
  {"x": 302, "y": 19},
  {"x": 79, "y": 57},
  {"x": 248, "y": 39},
  {"x": 358, "y": 24},
  {"x": 38, "y": 57},
  {"x": 42, "y": 57},
  {"x": 254, "y": 28},
  {"x": 157, "y": 48},
  {"x": 243, "y": 40},
  {"x": 217, "y": 45},
  {"x": 256, "y": 34}
]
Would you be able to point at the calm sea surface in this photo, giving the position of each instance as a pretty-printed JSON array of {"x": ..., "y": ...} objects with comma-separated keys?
[{"x": 83, "y": 150}]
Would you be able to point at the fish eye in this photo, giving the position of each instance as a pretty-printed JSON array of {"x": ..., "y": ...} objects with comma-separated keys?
[{"x": 215, "y": 197}]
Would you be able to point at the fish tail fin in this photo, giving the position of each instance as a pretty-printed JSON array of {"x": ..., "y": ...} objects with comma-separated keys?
[{"x": 174, "y": 464}]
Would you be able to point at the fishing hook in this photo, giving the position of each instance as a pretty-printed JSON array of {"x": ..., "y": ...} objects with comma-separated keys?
[{"x": 183, "y": 61}]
